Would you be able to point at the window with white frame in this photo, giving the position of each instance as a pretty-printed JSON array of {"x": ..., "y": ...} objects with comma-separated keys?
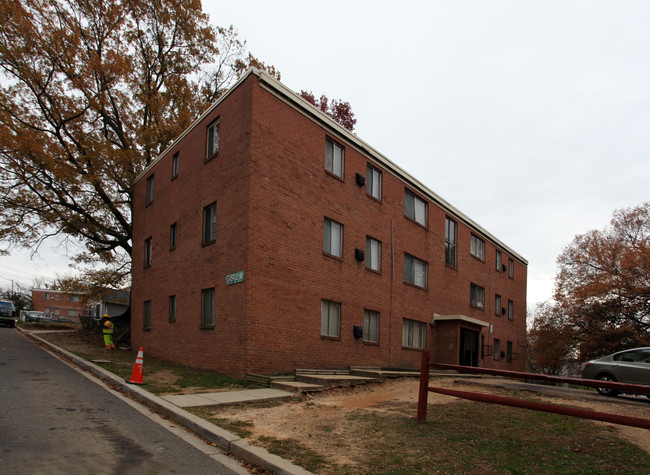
[
  {"x": 73, "y": 298},
  {"x": 148, "y": 251},
  {"x": 373, "y": 254},
  {"x": 414, "y": 334},
  {"x": 332, "y": 238},
  {"x": 511, "y": 309},
  {"x": 499, "y": 260},
  {"x": 415, "y": 208},
  {"x": 330, "y": 318},
  {"x": 476, "y": 296},
  {"x": 373, "y": 182},
  {"x": 497, "y": 305},
  {"x": 149, "y": 197},
  {"x": 334, "y": 158},
  {"x": 147, "y": 315},
  {"x": 477, "y": 247},
  {"x": 415, "y": 271},
  {"x": 371, "y": 326},
  {"x": 207, "y": 307},
  {"x": 212, "y": 140},
  {"x": 451, "y": 236},
  {"x": 210, "y": 223},
  {"x": 172, "y": 308}
]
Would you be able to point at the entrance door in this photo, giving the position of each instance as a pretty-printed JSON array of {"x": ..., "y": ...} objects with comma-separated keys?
[{"x": 468, "y": 347}]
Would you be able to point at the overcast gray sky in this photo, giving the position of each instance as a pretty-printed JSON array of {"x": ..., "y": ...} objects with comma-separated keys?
[{"x": 531, "y": 117}]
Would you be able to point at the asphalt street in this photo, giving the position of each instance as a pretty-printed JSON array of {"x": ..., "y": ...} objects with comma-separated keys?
[{"x": 54, "y": 419}]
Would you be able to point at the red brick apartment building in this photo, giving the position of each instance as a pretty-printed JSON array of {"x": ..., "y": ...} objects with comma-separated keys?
[
  {"x": 58, "y": 303},
  {"x": 268, "y": 238}
]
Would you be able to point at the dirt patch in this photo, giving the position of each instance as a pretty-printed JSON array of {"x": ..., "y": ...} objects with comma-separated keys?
[
  {"x": 75, "y": 341},
  {"x": 323, "y": 421}
]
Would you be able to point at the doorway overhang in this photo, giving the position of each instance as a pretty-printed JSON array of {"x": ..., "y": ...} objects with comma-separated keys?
[{"x": 459, "y": 318}]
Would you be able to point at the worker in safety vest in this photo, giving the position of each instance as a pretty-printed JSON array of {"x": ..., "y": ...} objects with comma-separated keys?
[{"x": 108, "y": 333}]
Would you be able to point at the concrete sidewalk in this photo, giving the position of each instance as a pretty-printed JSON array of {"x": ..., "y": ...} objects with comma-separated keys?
[
  {"x": 227, "y": 397},
  {"x": 221, "y": 438}
]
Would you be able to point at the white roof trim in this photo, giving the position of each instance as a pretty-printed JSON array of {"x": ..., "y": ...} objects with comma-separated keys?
[{"x": 462, "y": 318}]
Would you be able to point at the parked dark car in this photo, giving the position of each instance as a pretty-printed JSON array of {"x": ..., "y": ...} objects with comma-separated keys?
[
  {"x": 629, "y": 366},
  {"x": 7, "y": 313}
]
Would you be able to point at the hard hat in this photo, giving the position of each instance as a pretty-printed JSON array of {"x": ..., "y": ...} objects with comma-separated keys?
[{"x": 106, "y": 315}]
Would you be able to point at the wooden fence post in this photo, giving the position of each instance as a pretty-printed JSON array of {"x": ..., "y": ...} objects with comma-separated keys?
[{"x": 424, "y": 387}]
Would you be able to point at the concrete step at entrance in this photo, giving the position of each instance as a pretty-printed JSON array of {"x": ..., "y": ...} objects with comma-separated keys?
[
  {"x": 332, "y": 380},
  {"x": 383, "y": 373},
  {"x": 297, "y": 386}
]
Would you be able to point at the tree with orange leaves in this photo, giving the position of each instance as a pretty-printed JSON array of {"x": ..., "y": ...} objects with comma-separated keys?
[
  {"x": 90, "y": 93},
  {"x": 603, "y": 287},
  {"x": 337, "y": 109}
]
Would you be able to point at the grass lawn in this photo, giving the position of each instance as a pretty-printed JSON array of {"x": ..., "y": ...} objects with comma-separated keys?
[{"x": 459, "y": 437}]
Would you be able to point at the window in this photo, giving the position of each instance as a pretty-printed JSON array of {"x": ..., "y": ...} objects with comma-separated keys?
[
  {"x": 73, "y": 313},
  {"x": 415, "y": 208},
  {"x": 175, "y": 165},
  {"x": 56, "y": 297},
  {"x": 639, "y": 356},
  {"x": 149, "y": 197},
  {"x": 415, "y": 271},
  {"x": 511, "y": 268},
  {"x": 330, "y": 318},
  {"x": 73, "y": 298},
  {"x": 172, "y": 308},
  {"x": 148, "y": 250},
  {"x": 371, "y": 326},
  {"x": 414, "y": 334},
  {"x": 477, "y": 247},
  {"x": 334, "y": 158},
  {"x": 451, "y": 233},
  {"x": 172, "y": 236},
  {"x": 332, "y": 238},
  {"x": 373, "y": 254},
  {"x": 47, "y": 296},
  {"x": 207, "y": 307},
  {"x": 497, "y": 349},
  {"x": 210, "y": 223},
  {"x": 509, "y": 351},
  {"x": 373, "y": 182},
  {"x": 212, "y": 140},
  {"x": 147, "y": 315},
  {"x": 476, "y": 296},
  {"x": 497, "y": 305},
  {"x": 511, "y": 309},
  {"x": 499, "y": 260}
]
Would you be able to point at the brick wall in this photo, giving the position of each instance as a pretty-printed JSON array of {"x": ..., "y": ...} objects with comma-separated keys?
[
  {"x": 272, "y": 194},
  {"x": 57, "y": 303}
]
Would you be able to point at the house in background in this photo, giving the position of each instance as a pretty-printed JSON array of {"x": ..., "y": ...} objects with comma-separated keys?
[
  {"x": 109, "y": 302},
  {"x": 59, "y": 304},
  {"x": 267, "y": 238}
]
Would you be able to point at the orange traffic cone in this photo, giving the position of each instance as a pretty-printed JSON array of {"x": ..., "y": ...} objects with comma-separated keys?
[{"x": 136, "y": 376}]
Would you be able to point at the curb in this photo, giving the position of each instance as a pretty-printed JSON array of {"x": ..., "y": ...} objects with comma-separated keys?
[{"x": 221, "y": 438}]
